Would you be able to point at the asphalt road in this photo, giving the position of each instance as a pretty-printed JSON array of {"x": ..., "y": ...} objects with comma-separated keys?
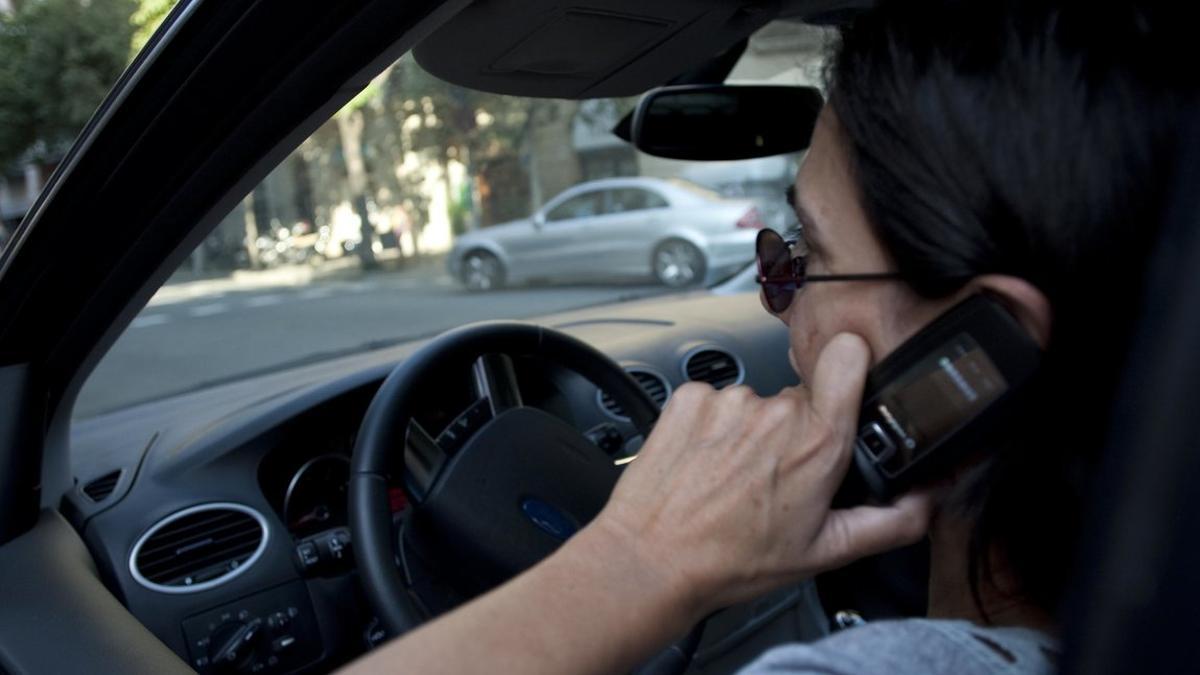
[{"x": 210, "y": 332}]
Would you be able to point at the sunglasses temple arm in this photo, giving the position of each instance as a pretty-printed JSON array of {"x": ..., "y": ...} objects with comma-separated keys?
[{"x": 850, "y": 277}]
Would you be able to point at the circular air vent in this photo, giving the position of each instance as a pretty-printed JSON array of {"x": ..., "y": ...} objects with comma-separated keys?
[
  {"x": 714, "y": 366},
  {"x": 198, "y": 548},
  {"x": 654, "y": 384}
]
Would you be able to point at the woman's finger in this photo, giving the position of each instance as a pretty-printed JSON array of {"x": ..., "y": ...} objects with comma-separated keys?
[{"x": 850, "y": 534}]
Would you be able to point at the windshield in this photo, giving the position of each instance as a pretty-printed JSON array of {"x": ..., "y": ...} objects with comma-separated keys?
[
  {"x": 422, "y": 206},
  {"x": 699, "y": 191}
]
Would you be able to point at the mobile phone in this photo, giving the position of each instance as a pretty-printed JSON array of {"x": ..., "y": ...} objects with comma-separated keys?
[{"x": 937, "y": 396}]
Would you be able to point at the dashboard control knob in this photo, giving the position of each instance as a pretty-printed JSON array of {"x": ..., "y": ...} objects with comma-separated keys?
[
  {"x": 234, "y": 644},
  {"x": 374, "y": 635},
  {"x": 278, "y": 620},
  {"x": 283, "y": 642}
]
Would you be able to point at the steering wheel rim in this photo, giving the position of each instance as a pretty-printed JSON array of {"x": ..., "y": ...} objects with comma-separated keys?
[{"x": 385, "y": 427}]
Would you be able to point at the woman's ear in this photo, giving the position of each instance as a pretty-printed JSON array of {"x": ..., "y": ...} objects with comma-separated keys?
[{"x": 1026, "y": 302}]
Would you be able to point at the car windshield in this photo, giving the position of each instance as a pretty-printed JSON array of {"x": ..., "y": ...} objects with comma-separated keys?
[
  {"x": 698, "y": 190},
  {"x": 421, "y": 206}
]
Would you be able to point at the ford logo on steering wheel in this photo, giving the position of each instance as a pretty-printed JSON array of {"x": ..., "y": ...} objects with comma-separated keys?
[{"x": 549, "y": 519}]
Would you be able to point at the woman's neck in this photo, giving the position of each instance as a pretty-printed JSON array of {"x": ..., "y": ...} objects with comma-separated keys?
[{"x": 950, "y": 595}]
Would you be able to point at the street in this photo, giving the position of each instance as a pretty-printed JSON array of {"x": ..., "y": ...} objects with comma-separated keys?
[{"x": 206, "y": 332}]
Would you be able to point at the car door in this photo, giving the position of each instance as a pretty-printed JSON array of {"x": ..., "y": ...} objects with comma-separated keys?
[
  {"x": 563, "y": 237},
  {"x": 636, "y": 217}
]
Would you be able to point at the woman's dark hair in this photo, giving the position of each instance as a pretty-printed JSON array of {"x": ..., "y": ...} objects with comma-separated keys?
[{"x": 1033, "y": 139}]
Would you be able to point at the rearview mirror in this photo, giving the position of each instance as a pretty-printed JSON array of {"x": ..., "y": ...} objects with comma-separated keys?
[{"x": 722, "y": 122}]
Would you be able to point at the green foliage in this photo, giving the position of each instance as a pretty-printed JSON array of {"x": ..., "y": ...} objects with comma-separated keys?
[
  {"x": 406, "y": 112},
  {"x": 58, "y": 59},
  {"x": 460, "y": 210},
  {"x": 362, "y": 98},
  {"x": 468, "y": 124},
  {"x": 149, "y": 14}
]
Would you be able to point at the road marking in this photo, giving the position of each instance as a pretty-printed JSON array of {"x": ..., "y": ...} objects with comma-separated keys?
[
  {"x": 315, "y": 293},
  {"x": 172, "y": 295},
  {"x": 209, "y": 310},
  {"x": 149, "y": 320},
  {"x": 264, "y": 300},
  {"x": 410, "y": 283}
]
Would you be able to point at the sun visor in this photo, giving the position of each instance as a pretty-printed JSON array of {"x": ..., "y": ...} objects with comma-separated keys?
[{"x": 605, "y": 48}]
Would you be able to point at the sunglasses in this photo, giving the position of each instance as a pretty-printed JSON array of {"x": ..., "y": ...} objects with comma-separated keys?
[{"x": 781, "y": 273}]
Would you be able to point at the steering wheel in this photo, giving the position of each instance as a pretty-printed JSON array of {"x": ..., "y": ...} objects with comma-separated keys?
[{"x": 502, "y": 487}]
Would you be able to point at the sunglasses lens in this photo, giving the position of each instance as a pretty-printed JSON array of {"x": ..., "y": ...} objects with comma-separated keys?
[{"x": 775, "y": 267}]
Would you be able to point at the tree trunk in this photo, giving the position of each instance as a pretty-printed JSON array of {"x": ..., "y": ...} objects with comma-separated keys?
[
  {"x": 350, "y": 128},
  {"x": 469, "y": 172},
  {"x": 444, "y": 167},
  {"x": 304, "y": 192},
  {"x": 251, "y": 230}
]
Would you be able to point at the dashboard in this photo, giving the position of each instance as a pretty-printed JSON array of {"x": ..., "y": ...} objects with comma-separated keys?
[{"x": 219, "y": 517}]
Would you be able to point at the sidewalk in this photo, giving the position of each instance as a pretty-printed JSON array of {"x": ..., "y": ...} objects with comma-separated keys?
[{"x": 180, "y": 288}]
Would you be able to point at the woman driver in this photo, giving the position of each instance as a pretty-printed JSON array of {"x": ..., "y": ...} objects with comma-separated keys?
[{"x": 1019, "y": 149}]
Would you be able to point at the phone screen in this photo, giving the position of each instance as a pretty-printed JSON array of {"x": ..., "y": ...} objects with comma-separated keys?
[{"x": 936, "y": 396}]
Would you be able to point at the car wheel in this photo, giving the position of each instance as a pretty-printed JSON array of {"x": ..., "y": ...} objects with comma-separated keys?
[
  {"x": 482, "y": 271},
  {"x": 678, "y": 263}
]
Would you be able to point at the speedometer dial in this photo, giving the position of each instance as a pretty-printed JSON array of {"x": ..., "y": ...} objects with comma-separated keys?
[{"x": 317, "y": 495}]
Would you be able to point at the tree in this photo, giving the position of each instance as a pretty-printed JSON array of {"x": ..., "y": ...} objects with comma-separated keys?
[
  {"x": 403, "y": 112},
  {"x": 149, "y": 14},
  {"x": 350, "y": 122},
  {"x": 58, "y": 59},
  {"x": 446, "y": 122}
]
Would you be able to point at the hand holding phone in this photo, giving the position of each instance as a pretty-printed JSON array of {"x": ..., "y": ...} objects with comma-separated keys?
[{"x": 730, "y": 495}]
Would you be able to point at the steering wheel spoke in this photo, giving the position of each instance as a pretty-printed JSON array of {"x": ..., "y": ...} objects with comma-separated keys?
[
  {"x": 423, "y": 460},
  {"x": 496, "y": 382}
]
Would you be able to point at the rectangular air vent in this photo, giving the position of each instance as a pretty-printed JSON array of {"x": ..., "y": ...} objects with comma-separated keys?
[{"x": 101, "y": 488}]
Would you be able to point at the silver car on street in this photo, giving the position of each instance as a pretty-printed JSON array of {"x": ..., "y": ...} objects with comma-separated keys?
[{"x": 674, "y": 231}]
